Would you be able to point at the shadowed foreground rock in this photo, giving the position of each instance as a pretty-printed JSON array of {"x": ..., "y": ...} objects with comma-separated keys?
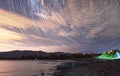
[{"x": 89, "y": 67}]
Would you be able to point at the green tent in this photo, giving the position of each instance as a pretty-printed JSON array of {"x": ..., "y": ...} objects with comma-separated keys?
[{"x": 112, "y": 54}]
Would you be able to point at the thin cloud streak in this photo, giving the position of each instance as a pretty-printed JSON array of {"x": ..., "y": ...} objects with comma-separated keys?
[{"x": 60, "y": 25}]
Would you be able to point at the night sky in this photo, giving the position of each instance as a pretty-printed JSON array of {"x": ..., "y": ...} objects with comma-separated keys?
[{"x": 60, "y": 25}]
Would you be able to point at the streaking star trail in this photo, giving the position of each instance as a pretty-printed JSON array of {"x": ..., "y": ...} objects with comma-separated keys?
[{"x": 60, "y": 25}]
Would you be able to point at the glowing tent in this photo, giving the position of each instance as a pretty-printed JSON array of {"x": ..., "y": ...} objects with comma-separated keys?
[{"x": 112, "y": 54}]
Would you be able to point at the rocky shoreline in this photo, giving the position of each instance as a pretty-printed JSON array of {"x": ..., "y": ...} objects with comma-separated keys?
[{"x": 89, "y": 67}]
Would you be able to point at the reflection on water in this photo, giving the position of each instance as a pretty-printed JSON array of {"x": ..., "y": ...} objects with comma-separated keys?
[{"x": 26, "y": 68}]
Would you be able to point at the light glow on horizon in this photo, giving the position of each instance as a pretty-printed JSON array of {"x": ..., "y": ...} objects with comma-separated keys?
[{"x": 109, "y": 56}]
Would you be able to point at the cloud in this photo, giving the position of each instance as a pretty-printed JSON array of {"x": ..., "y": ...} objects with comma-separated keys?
[
  {"x": 9, "y": 36},
  {"x": 60, "y": 25},
  {"x": 14, "y": 20}
]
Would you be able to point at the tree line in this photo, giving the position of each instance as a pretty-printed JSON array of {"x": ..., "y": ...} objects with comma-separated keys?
[{"x": 61, "y": 57}]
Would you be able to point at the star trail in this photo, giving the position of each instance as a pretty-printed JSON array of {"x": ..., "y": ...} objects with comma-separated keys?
[{"x": 60, "y": 25}]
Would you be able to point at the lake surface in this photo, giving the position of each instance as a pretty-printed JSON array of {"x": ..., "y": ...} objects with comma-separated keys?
[{"x": 27, "y": 67}]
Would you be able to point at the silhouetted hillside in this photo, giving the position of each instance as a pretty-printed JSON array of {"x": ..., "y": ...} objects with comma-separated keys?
[
  {"x": 28, "y": 54},
  {"x": 19, "y": 54}
]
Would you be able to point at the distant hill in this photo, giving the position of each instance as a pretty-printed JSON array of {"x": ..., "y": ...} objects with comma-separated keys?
[
  {"x": 20, "y": 54},
  {"x": 29, "y": 54}
]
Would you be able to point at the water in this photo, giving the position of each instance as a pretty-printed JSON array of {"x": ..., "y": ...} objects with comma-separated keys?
[{"x": 27, "y": 67}]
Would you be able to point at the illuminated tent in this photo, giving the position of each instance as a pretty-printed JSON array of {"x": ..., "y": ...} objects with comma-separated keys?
[{"x": 112, "y": 54}]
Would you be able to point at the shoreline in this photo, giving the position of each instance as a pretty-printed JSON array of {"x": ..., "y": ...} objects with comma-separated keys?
[{"x": 89, "y": 67}]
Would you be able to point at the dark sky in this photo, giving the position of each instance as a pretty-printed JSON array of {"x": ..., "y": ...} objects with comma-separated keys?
[{"x": 60, "y": 25}]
